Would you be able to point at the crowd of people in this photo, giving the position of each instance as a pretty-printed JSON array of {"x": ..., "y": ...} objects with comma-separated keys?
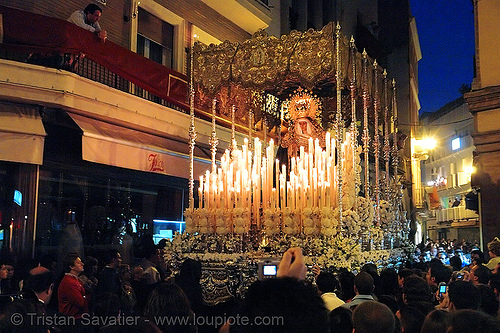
[
  {"x": 454, "y": 253},
  {"x": 104, "y": 295}
]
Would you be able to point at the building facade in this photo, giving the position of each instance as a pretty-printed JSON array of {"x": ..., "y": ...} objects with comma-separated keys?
[
  {"x": 484, "y": 104},
  {"x": 110, "y": 155},
  {"x": 446, "y": 174}
]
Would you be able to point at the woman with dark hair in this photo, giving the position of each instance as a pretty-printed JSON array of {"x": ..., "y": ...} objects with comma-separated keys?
[
  {"x": 71, "y": 294},
  {"x": 189, "y": 280},
  {"x": 168, "y": 306}
]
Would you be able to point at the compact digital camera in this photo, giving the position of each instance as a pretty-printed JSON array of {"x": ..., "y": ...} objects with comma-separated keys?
[{"x": 267, "y": 268}]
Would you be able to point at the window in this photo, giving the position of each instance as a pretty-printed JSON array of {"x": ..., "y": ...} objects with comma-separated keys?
[
  {"x": 455, "y": 144},
  {"x": 155, "y": 39}
]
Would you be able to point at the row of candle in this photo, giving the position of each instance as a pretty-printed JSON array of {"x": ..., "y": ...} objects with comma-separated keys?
[{"x": 245, "y": 179}]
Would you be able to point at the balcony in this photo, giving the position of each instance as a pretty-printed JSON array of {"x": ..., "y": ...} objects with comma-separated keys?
[
  {"x": 132, "y": 102},
  {"x": 251, "y": 15},
  {"x": 455, "y": 214}
]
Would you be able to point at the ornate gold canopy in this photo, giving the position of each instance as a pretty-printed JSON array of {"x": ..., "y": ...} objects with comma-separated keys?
[{"x": 242, "y": 74}]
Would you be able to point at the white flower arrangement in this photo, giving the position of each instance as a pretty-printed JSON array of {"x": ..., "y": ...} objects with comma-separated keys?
[
  {"x": 387, "y": 215},
  {"x": 366, "y": 212},
  {"x": 337, "y": 251},
  {"x": 241, "y": 218},
  {"x": 328, "y": 222},
  {"x": 308, "y": 222},
  {"x": 206, "y": 217},
  {"x": 350, "y": 221},
  {"x": 272, "y": 221},
  {"x": 191, "y": 220},
  {"x": 222, "y": 222},
  {"x": 291, "y": 224}
]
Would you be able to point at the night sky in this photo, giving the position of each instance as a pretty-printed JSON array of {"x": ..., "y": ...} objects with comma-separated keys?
[{"x": 446, "y": 33}]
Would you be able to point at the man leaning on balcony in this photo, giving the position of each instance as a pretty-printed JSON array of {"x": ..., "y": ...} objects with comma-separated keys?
[{"x": 88, "y": 20}]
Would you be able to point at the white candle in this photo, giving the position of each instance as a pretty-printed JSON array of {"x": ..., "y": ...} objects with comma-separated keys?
[{"x": 327, "y": 143}]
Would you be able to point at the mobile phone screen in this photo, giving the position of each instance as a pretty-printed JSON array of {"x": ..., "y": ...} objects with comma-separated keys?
[{"x": 442, "y": 289}]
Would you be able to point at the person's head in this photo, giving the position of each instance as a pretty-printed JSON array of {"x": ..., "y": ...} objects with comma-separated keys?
[
  {"x": 346, "y": 280},
  {"x": 438, "y": 273},
  {"x": 372, "y": 317},
  {"x": 298, "y": 306},
  {"x": 190, "y": 270},
  {"x": 415, "y": 289},
  {"x": 169, "y": 300},
  {"x": 341, "y": 320},
  {"x": 4, "y": 271},
  {"x": 326, "y": 282},
  {"x": 124, "y": 272},
  {"x": 162, "y": 243},
  {"x": 489, "y": 301},
  {"x": 92, "y": 13},
  {"x": 137, "y": 273},
  {"x": 473, "y": 321},
  {"x": 388, "y": 281},
  {"x": 41, "y": 283},
  {"x": 363, "y": 283},
  {"x": 403, "y": 274},
  {"x": 10, "y": 270},
  {"x": 494, "y": 247},
  {"x": 112, "y": 258},
  {"x": 437, "y": 321},
  {"x": 464, "y": 295},
  {"x": 90, "y": 265},
  {"x": 412, "y": 317},
  {"x": 456, "y": 263},
  {"x": 152, "y": 253},
  {"x": 73, "y": 264},
  {"x": 495, "y": 283},
  {"x": 477, "y": 255},
  {"x": 479, "y": 274}
]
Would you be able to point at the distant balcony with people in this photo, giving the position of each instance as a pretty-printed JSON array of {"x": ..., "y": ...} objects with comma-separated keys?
[{"x": 455, "y": 214}]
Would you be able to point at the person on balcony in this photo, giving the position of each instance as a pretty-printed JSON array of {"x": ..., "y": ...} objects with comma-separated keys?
[
  {"x": 88, "y": 20},
  {"x": 494, "y": 252}
]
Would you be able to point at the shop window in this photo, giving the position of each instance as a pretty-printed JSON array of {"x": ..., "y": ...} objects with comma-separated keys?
[{"x": 102, "y": 205}]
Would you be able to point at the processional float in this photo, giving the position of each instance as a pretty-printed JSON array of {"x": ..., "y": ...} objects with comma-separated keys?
[{"x": 334, "y": 188}]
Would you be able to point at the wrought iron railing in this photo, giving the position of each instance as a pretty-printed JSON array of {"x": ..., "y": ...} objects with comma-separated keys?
[{"x": 91, "y": 70}]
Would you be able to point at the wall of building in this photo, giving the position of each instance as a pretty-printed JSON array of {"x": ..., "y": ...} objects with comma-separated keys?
[
  {"x": 487, "y": 42},
  {"x": 484, "y": 103}
]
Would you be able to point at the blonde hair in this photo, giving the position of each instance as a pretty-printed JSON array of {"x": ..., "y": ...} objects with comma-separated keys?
[{"x": 494, "y": 246}]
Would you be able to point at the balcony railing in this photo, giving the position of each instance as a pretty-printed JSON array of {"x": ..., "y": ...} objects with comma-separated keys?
[
  {"x": 455, "y": 214},
  {"x": 26, "y": 33}
]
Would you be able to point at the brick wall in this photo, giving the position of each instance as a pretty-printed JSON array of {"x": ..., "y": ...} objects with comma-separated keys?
[{"x": 194, "y": 11}]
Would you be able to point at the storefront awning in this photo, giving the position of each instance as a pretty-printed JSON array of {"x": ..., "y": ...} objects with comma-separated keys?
[
  {"x": 22, "y": 134},
  {"x": 118, "y": 146}
]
